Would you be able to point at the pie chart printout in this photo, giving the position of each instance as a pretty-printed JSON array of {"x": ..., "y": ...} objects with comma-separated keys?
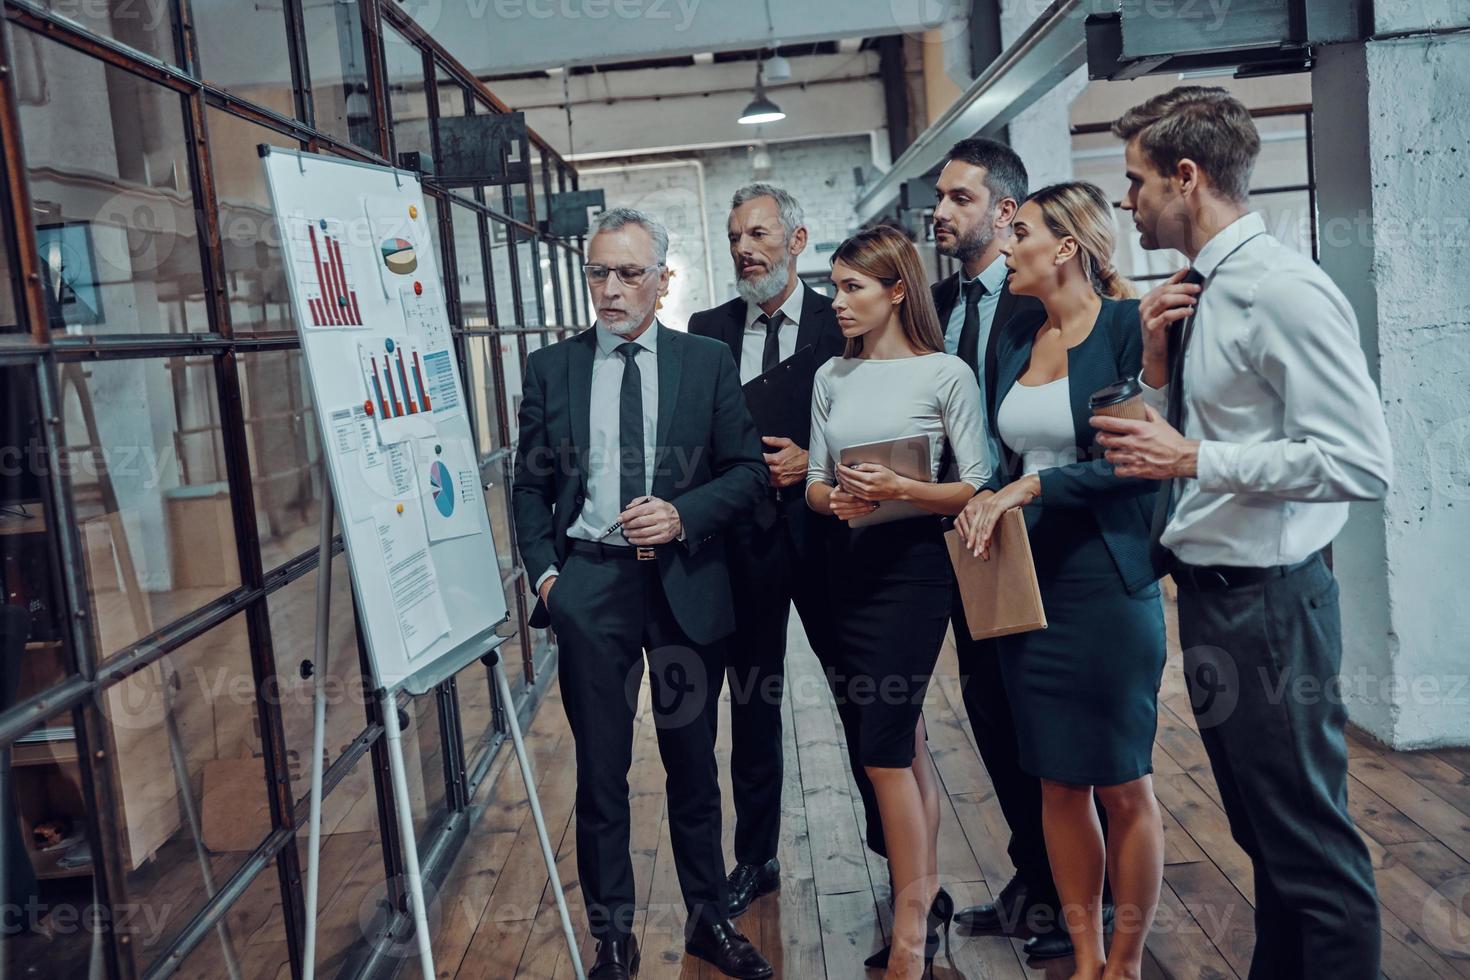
[{"x": 441, "y": 484}]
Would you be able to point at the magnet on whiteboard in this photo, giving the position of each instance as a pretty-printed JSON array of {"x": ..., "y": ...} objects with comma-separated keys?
[
  {"x": 367, "y": 407},
  {"x": 418, "y": 288},
  {"x": 400, "y": 508},
  {"x": 413, "y": 210}
]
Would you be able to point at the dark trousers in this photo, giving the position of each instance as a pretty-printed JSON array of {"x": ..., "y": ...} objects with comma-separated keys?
[
  {"x": 770, "y": 569},
  {"x": 1261, "y": 662},
  {"x": 1017, "y": 791},
  {"x": 608, "y": 614}
]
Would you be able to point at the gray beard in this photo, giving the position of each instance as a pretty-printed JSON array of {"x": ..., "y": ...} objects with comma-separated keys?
[
  {"x": 762, "y": 288},
  {"x": 625, "y": 326}
]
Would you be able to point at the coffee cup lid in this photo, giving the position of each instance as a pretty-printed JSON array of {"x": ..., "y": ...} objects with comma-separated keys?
[{"x": 1116, "y": 393}]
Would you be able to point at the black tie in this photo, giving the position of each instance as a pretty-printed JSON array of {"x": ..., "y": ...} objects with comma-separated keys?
[
  {"x": 1174, "y": 414},
  {"x": 631, "y": 469},
  {"x": 771, "y": 353},
  {"x": 969, "y": 345}
]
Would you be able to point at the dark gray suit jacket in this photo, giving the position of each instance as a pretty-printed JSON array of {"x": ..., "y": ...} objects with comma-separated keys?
[{"x": 708, "y": 465}]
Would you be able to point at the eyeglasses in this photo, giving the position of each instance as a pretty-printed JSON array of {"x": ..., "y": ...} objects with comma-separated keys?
[{"x": 628, "y": 275}]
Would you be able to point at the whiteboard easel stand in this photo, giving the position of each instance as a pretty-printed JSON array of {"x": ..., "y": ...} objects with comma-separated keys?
[{"x": 394, "y": 735}]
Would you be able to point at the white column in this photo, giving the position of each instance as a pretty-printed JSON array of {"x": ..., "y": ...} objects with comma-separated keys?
[{"x": 1392, "y": 153}]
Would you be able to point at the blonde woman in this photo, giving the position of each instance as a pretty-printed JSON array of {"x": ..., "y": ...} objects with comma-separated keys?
[
  {"x": 891, "y": 583},
  {"x": 1085, "y": 690}
]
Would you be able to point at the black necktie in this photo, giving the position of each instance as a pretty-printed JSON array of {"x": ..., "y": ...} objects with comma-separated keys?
[
  {"x": 1174, "y": 413},
  {"x": 771, "y": 353},
  {"x": 631, "y": 479},
  {"x": 969, "y": 345}
]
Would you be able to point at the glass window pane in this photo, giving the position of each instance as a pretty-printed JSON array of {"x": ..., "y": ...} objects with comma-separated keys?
[
  {"x": 480, "y": 379},
  {"x": 407, "y": 107},
  {"x": 501, "y": 267},
  {"x": 186, "y": 750},
  {"x": 423, "y": 760},
  {"x": 528, "y": 263},
  {"x": 243, "y": 50},
  {"x": 472, "y": 685},
  {"x": 474, "y": 302},
  {"x": 149, "y": 27},
  {"x": 510, "y": 362},
  {"x": 255, "y": 276},
  {"x": 431, "y": 217},
  {"x": 147, "y": 470},
  {"x": 511, "y": 652},
  {"x": 1283, "y": 159},
  {"x": 33, "y": 622},
  {"x": 111, "y": 192},
  {"x": 255, "y": 930},
  {"x": 293, "y": 635},
  {"x": 282, "y": 435},
  {"x": 46, "y": 896},
  {"x": 350, "y": 886},
  {"x": 340, "y": 94},
  {"x": 1289, "y": 217},
  {"x": 497, "y": 477}
]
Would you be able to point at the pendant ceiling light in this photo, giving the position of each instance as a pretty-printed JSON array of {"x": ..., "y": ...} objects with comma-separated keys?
[{"x": 761, "y": 109}]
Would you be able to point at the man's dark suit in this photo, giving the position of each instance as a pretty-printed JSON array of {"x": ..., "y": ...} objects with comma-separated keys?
[
  {"x": 775, "y": 560},
  {"x": 1018, "y": 792},
  {"x": 608, "y": 610}
]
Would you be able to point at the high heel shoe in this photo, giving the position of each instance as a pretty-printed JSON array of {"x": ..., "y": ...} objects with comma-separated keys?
[{"x": 941, "y": 915}]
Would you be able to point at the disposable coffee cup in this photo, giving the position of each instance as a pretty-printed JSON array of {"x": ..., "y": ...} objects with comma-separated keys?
[{"x": 1121, "y": 400}]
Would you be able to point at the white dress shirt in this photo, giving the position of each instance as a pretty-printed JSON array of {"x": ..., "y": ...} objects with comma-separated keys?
[
  {"x": 601, "y": 505},
  {"x": 753, "y": 342},
  {"x": 1276, "y": 388}
]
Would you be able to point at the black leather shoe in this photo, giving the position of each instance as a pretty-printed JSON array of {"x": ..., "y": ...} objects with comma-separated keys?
[
  {"x": 721, "y": 944},
  {"x": 1006, "y": 912},
  {"x": 1055, "y": 943},
  {"x": 617, "y": 959},
  {"x": 750, "y": 881}
]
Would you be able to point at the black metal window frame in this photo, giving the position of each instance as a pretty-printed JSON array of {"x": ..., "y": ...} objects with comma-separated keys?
[{"x": 36, "y": 350}]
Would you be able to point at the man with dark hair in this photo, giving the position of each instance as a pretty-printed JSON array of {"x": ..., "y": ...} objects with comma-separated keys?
[
  {"x": 778, "y": 556},
  {"x": 980, "y": 188},
  {"x": 1264, "y": 423}
]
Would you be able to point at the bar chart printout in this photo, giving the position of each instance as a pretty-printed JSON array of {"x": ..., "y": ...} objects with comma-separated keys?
[
  {"x": 396, "y": 389},
  {"x": 325, "y": 273}
]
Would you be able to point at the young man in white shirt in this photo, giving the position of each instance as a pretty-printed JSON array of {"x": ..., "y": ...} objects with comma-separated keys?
[{"x": 1264, "y": 423}]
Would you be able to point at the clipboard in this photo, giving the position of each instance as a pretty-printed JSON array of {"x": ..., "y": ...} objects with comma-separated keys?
[
  {"x": 1000, "y": 596},
  {"x": 780, "y": 400},
  {"x": 910, "y": 456}
]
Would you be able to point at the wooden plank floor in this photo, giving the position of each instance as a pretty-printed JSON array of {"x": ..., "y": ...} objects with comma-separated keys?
[{"x": 497, "y": 918}]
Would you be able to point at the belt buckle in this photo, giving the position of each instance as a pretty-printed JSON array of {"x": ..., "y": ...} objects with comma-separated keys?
[{"x": 645, "y": 554}]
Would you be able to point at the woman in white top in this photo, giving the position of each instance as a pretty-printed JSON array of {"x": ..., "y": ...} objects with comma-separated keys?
[{"x": 891, "y": 581}]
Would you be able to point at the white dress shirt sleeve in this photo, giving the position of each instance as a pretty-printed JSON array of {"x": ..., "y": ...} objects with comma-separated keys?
[
  {"x": 1304, "y": 343},
  {"x": 1155, "y": 398}
]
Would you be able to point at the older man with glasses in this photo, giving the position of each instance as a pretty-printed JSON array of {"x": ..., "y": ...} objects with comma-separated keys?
[{"x": 636, "y": 453}]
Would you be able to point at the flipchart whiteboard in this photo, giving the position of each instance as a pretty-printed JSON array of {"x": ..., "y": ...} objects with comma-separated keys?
[{"x": 358, "y": 250}]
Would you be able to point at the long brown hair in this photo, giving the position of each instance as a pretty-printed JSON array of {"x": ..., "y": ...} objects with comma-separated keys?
[
  {"x": 886, "y": 254},
  {"x": 1081, "y": 211}
]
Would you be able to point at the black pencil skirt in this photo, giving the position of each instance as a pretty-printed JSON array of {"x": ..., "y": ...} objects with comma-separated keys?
[{"x": 892, "y": 585}]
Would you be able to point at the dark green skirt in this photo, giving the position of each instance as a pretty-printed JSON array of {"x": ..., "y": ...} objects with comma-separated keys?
[{"x": 1084, "y": 691}]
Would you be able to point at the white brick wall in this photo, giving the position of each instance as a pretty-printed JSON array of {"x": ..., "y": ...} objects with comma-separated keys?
[{"x": 819, "y": 173}]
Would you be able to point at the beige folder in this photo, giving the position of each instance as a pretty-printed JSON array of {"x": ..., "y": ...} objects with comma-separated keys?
[{"x": 1001, "y": 596}]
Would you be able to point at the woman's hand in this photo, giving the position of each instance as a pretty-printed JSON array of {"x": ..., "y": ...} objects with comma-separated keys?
[
  {"x": 871, "y": 481},
  {"x": 846, "y": 506},
  {"x": 977, "y": 521}
]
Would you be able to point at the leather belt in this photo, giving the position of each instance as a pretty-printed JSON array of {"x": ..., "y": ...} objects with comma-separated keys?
[
  {"x": 603, "y": 552},
  {"x": 1218, "y": 578}
]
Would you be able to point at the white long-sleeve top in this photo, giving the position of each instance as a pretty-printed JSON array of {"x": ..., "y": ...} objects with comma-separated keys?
[{"x": 1277, "y": 390}]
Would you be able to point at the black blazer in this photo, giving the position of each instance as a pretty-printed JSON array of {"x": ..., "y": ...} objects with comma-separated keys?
[
  {"x": 1123, "y": 506},
  {"x": 819, "y": 330},
  {"x": 708, "y": 465},
  {"x": 946, "y": 293}
]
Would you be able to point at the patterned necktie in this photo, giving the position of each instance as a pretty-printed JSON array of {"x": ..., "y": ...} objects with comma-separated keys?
[
  {"x": 1179, "y": 337},
  {"x": 632, "y": 480},
  {"x": 771, "y": 353}
]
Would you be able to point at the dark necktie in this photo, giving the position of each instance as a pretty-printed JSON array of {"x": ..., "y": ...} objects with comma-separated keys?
[
  {"x": 1179, "y": 337},
  {"x": 631, "y": 479},
  {"x": 771, "y": 353},
  {"x": 968, "y": 348}
]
